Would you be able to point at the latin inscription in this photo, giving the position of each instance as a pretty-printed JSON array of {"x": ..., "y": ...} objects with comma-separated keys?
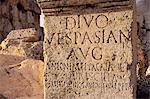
[{"x": 88, "y": 55}]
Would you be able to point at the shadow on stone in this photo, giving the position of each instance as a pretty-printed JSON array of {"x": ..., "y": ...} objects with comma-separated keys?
[
  {"x": 143, "y": 88},
  {"x": 3, "y": 97}
]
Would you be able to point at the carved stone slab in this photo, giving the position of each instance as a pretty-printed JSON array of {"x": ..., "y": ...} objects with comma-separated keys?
[
  {"x": 65, "y": 3},
  {"x": 90, "y": 55},
  {"x": 59, "y": 7}
]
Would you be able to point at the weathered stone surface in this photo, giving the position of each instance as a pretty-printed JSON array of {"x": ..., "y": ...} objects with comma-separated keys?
[
  {"x": 25, "y": 49},
  {"x": 33, "y": 6},
  {"x": 32, "y": 97},
  {"x": 18, "y": 14},
  {"x": 3, "y": 97},
  {"x": 76, "y": 6},
  {"x": 142, "y": 58},
  {"x": 41, "y": 34},
  {"x": 26, "y": 76},
  {"x": 6, "y": 60},
  {"x": 22, "y": 80},
  {"x": 148, "y": 71},
  {"x": 32, "y": 50},
  {"x": 23, "y": 43},
  {"x": 33, "y": 70},
  {"x": 5, "y": 26},
  {"x": 88, "y": 53},
  {"x": 1, "y": 37},
  {"x": 26, "y": 35},
  {"x": 143, "y": 88},
  {"x": 143, "y": 17}
]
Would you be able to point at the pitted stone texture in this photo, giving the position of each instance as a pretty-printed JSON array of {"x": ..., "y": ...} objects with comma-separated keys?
[
  {"x": 29, "y": 50},
  {"x": 32, "y": 50},
  {"x": 89, "y": 56},
  {"x": 23, "y": 43}
]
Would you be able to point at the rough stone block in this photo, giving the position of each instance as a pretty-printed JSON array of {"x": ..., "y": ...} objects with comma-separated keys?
[{"x": 20, "y": 79}]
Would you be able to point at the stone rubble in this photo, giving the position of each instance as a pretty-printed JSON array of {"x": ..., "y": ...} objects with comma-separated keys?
[
  {"x": 21, "y": 55},
  {"x": 21, "y": 50}
]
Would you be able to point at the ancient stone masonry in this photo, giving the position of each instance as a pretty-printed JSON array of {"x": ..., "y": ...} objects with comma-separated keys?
[
  {"x": 21, "y": 55},
  {"x": 18, "y": 14},
  {"x": 89, "y": 49},
  {"x": 23, "y": 42},
  {"x": 21, "y": 50}
]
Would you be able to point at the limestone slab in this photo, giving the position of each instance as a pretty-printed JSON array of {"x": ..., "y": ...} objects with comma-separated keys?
[{"x": 88, "y": 53}]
